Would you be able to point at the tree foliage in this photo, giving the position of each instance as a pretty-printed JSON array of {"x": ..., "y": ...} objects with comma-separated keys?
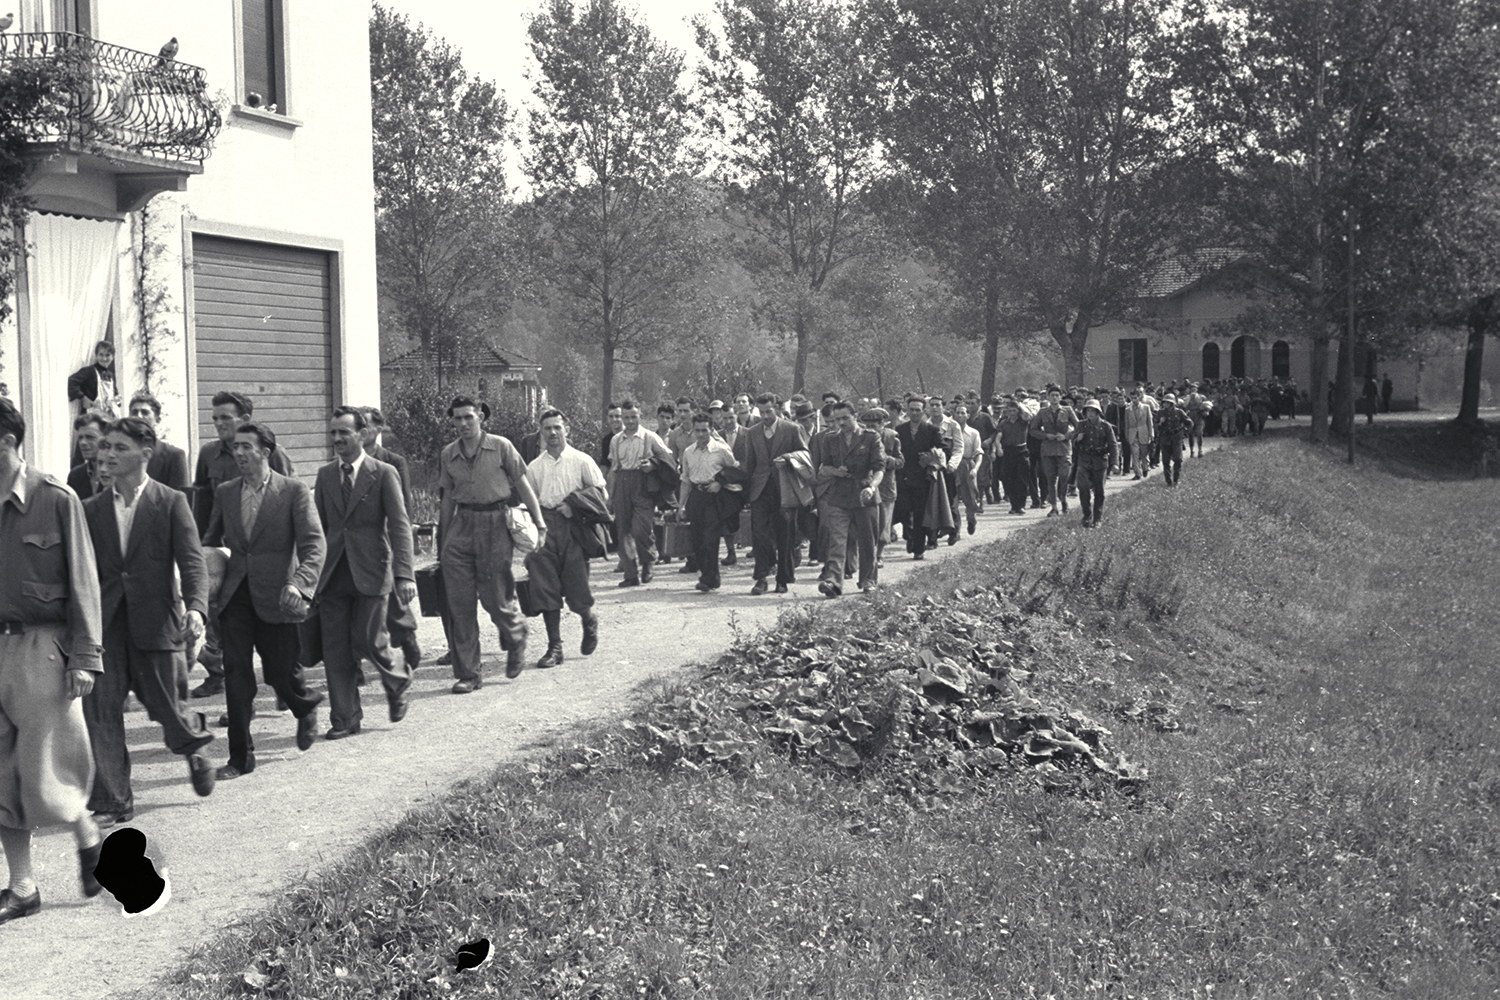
[
  {"x": 612, "y": 160},
  {"x": 788, "y": 93},
  {"x": 447, "y": 261}
]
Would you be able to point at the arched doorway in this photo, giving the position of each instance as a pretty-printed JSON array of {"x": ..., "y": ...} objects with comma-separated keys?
[
  {"x": 1281, "y": 359},
  {"x": 1244, "y": 357},
  {"x": 1210, "y": 360}
]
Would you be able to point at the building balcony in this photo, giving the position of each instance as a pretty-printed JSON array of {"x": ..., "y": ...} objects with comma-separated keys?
[{"x": 117, "y": 126}]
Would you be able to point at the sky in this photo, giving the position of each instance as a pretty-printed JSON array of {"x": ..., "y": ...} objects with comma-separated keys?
[{"x": 492, "y": 35}]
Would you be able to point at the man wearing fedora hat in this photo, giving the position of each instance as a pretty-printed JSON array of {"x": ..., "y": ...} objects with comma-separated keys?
[{"x": 1097, "y": 451}]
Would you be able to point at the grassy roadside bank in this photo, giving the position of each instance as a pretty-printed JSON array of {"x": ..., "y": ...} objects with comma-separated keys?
[{"x": 1307, "y": 670}]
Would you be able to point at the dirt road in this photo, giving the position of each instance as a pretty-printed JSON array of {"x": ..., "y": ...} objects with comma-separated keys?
[{"x": 230, "y": 854}]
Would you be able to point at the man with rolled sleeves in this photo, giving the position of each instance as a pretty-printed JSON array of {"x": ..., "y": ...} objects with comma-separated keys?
[
  {"x": 276, "y": 549},
  {"x": 358, "y": 499},
  {"x": 631, "y": 454},
  {"x": 217, "y": 466},
  {"x": 143, "y": 532},
  {"x": 49, "y": 659},
  {"x": 559, "y": 568},
  {"x": 702, "y": 461},
  {"x": 479, "y": 475}
]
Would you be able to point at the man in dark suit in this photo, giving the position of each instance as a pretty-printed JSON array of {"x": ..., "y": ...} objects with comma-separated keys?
[
  {"x": 359, "y": 503},
  {"x": 168, "y": 462},
  {"x": 773, "y": 540},
  {"x": 216, "y": 466},
  {"x": 88, "y": 429},
  {"x": 847, "y": 459},
  {"x": 141, "y": 532},
  {"x": 918, "y": 474},
  {"x": 400, "y": 619},
  {"x": 276, "y": 551}
]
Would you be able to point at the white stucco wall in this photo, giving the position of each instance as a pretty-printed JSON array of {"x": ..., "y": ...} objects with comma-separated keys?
[{"x": 311, "y": 184}]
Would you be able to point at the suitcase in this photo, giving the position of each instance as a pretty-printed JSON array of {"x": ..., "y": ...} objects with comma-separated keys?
[
  {"x": 679, "y": 542},
  {"x": 523, "y": 598},
  {"x": 430, "y": 594},
  {"x": 743, "y": 538}
]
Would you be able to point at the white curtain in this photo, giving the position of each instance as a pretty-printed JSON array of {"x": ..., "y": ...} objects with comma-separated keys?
[{"x": 71, "y": 286}]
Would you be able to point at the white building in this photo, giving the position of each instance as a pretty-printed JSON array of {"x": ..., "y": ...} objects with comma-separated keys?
[{"x": 258, "y": 267}]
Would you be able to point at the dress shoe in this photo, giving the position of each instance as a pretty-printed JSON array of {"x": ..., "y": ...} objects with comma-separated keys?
[
  {"x": 552, "y": 658},
  {"x": 704, "y": 588},
  {"x": 281, "y": 705},
  {"x": 339, "y": 734},
  {"x": 13, "y": 907},
  {"x": 201, "y": 772},
  {"x": 827, "y": 588},
  {"x": 307, "y": 726},
  {"x": 398, "y": 703},
  {"x": 972, "y": 524},
  {"x": 209, "y": 688},
  {"x": 645, "y": 574},
  {"x": 628, "y": 583},
  {"x": 88, "y": 860},
  {"x": 467, "y": 687},
  {"x": 781, "y": 588},
  {"x": 111, "y": 819},
  {"x": 917, "y": 555},
  {"x": 687, "y": 568},
  {"x": 953, "y": 537},
  {"x": 515, "y": 660},
  {"x": 760, "y": 587},
  {"x": 446, "y": 660},
  {"x": 590, "y": 636},
  {"x": 729, "y": 560},
  {"x": 229, "y": 772}
]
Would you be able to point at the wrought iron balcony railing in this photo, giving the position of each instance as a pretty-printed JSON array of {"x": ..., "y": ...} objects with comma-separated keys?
[{"x": 106, "y": 97}]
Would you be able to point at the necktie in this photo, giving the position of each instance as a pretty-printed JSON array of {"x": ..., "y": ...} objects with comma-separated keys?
[{"x": 348, "y": 483}]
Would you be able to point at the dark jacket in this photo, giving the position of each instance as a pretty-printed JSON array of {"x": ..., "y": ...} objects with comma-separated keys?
[
  {"x": 761, "y": 453},
  {"x": 84, "y": 383},
  {"x": 916, "y": 440},
  {"x": 373, "y": 532},
  {"x": 285, "y": 547},
  {"x": 862, "y": 457},
  {"x": 81, "y": 480},
  {"x": 162, "y": 537},
  {"x": 397, "y": 462},
  {"x": 168, "y": 466},
  {"x": 216, "y": 467}
]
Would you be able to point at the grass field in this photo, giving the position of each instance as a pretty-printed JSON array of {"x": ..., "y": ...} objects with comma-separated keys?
[{"x": 1303, "y": 654}]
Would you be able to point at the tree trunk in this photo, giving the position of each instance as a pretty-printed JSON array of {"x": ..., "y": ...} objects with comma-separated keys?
[
  {"x": 1073, "y": 343},
  {"x": 1343, "y": 388},
  {"x": 607, "y": 381},
  {"x": 991, "y": 340},
  {"x": 1480, "y": 318},
  {"x": 804, "y": 335},
  {"x": 1317, "y": 390}
]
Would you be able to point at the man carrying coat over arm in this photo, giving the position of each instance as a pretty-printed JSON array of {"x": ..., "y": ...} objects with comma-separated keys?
[{"x": 363, "y": 515}]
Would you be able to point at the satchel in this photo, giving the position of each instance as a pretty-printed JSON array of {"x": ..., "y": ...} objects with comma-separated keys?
[
  {"x": 525, "y": 599},
  {"x": 523, "y": 533}
]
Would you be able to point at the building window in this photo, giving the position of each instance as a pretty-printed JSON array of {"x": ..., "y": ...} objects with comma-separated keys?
[
  {"x": 262, "y": 52},
  {"x": 73, "y": 15},
  {"x": 1281, "y": 359},
  {"x": 1244, "y": 358},
  {"x": 1132, "y": 361},
  {"x": 1210, "y": 360}
]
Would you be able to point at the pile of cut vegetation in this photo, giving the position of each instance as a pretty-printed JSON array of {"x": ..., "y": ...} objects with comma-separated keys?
[{"x": 928, "y": 695}]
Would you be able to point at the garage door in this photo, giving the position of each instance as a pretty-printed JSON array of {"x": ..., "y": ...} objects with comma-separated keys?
[{"x": 264, "y": 328}]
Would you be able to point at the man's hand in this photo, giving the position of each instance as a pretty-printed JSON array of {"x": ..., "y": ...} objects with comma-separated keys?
[
  {"x": 779, "y": 460},
  {"x": 292, "y": 602},
  {"x": 714, "y": 487},
  {"x": 80, "y": 683},
  {"x": 565, "y": 510},
  {"x": 406, "y": 591}
]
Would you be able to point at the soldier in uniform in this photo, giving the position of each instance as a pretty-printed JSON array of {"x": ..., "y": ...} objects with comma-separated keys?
[
  {"x": 49, "y": 656},
  {"x": 1098, "y": 452},
  {"x": 477, "y": 476}
]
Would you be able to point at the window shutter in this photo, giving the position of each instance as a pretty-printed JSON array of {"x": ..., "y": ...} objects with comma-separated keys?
[{"x": 258, "y": 30}]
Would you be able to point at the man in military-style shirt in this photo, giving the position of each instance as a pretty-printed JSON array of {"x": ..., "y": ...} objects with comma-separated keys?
[{"x": 50, "y": 653}]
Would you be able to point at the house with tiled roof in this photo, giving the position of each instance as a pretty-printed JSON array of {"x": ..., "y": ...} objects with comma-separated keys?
[{"x": 478, "y": 368}]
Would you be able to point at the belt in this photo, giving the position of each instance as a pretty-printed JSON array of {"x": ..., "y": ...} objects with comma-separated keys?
[
  {"x": 495, "y": 505},
  {"x": 701, "y": 486},
  {"x": 12, "y": 628}
]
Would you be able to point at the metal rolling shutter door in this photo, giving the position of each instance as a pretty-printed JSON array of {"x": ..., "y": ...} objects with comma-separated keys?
[{"x": 264, "y": 327}]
